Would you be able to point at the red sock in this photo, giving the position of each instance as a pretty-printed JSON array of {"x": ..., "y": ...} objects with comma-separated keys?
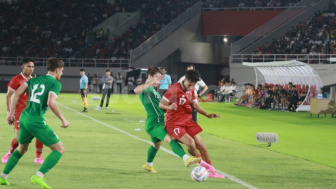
[
  {"x": 14, "y": 145},
  {"x": 39, "y": 148}
]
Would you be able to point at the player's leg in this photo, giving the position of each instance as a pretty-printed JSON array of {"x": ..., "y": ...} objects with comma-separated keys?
[
  {"x": 14, "y": 143},
  {"x": 178, "y": 150},
  {"x": 109, "y": 91},
  {"x": 84, "y": 99},
  {"x": 151, "y": 153},
  {"x": 156, "y": 131},
  {"x": 193, "y": 129},
  {"x": 51, "y": 160},
  {"x": 205, "y": 156},
  {"x": 24, "y": 139},
  {"x": 179, "y": 133},
  {"x": 202, "y": 148},
  {"x": 103, "y": 98},
  {"x": 39, "y": 148},
  {"x": 12, "y": 162},
  {"x": 49, "y": 138}
]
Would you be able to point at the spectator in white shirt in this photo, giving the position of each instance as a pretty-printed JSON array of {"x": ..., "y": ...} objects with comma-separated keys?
[{"x": 226, "y": 91}]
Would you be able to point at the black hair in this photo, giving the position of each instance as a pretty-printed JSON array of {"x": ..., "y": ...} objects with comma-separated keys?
[
  {"x": 192, "y": 76},
  {"x": 26, "y": 60},
  {"x": 82, "y": 70}
]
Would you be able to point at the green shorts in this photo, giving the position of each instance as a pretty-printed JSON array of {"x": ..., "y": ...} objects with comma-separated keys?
[
  {"x": 156, "y": 130},
  {"x": 38, "y": 129}
]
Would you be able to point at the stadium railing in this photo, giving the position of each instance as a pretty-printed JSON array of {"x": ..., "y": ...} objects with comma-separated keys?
[
  {"x": 306, "y": 58},
  {"x": 71, "y": 62}
]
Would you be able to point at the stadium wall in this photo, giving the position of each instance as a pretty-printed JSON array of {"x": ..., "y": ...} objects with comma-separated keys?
[
  {"x": 189, "y": 41},
  {"x": 238, "y": 23}
]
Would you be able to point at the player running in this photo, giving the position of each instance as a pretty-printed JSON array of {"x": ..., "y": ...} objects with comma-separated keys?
[
  {"x": 150, "y": 99},
  {"x": 27, "y": 66},
  {"x": 43, "y": 92},
  {"x": 179, "y": 122}
]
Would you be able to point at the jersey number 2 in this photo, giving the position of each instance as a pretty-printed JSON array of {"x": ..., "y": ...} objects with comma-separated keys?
[{"x": 34, "y": 95}]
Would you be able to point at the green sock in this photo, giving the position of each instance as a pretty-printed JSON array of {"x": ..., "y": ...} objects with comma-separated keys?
[
  {"x": 151, "y": 154},
  {"x": 50, "y": 161},
  {"x": 177, "y": 148},
  {"x": 12, "y": 161}
]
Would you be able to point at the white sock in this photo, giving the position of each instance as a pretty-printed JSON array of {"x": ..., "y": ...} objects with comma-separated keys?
[
  {"x": 149, "y": 164},
  {"x": 185, "y": 157},
  {"x": 39, "y": 174},
  {"x": 4, "y": 176}
]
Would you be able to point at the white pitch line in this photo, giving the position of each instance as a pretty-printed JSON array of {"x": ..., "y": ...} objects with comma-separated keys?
[{"x": 231, "y": 177}]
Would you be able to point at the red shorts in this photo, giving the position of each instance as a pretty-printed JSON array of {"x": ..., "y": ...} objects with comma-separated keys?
[{"x": 177, "y": 130}]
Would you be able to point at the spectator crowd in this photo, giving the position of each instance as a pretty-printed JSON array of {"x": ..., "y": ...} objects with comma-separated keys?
[
  {"x": 317, "y": 35},
  {"x": 277, "y": 97},
  {"x": 40, "y": 28},
  {"x": 247, "y": 3}
]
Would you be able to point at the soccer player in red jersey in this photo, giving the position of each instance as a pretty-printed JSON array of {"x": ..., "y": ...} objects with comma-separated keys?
[
  {"x": 179, "y": 122},
  {"x": 27, "y": 66}
]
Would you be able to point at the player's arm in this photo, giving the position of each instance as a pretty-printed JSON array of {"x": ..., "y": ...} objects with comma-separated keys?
[
  {"x": 204, "y": 88},
  {"x": 22, "y": 89},
  {"x": 200, "y": 110},
  {"x": 165, "y": 105},
  {"x": 86, "y": 85},
  {"x": 150, "y": 81},
  {"x": 54, "y": 108},
  {"x": 9, "y": 94}
]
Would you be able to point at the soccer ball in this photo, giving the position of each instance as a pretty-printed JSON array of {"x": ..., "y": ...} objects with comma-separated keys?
[{"x": 199, "y": 174}]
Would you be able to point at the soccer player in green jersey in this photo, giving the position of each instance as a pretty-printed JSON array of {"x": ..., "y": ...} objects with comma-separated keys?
[
  {"x": 43, "y": 92},
  {"x": 150, "y": 99}
]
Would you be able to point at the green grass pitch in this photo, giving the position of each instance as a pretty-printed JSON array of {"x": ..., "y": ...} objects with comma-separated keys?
[{"x": 107, "y": 148}]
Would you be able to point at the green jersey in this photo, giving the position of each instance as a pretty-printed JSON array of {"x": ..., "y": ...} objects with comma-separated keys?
[
  {"x": 39, "y": 89},
  {"x": 150, "y": 99}
]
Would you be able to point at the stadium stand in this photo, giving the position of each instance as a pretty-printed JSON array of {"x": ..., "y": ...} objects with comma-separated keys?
[
  {"x": 247, "y": 3},
  {"x": 42, "y": 29},
  {"x": 315, "y": 36}
]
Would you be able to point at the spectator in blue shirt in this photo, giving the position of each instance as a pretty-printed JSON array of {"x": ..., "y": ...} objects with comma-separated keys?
[{"x": 165, "y": 82}]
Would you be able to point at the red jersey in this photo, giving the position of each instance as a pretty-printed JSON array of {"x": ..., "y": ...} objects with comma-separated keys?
[
  {"x": 183, "y": 99},
  {"x": 14, "y": 84}
]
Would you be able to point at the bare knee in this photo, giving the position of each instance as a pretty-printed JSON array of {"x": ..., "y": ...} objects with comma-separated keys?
[
  {"x": 22, "y": 149},
  {"x": 58, "y": 147},
  {"x": 62, "y": 151},
  {"x": 157, "y": 145}
]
